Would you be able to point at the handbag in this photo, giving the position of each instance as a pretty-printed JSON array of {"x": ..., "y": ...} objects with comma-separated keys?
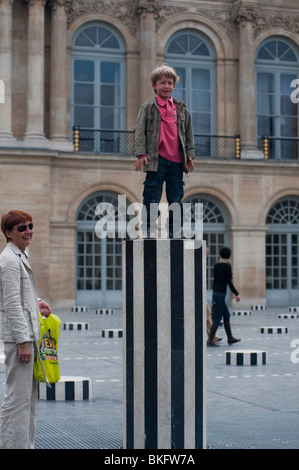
[{"x": 46, "y": 362}]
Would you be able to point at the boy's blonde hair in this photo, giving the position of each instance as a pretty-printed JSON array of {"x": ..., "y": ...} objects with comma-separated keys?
[{"x": 164, "y": 71}]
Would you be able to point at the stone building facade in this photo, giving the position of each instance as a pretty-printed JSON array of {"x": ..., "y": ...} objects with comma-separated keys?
[{"x": 68, "y": 64}]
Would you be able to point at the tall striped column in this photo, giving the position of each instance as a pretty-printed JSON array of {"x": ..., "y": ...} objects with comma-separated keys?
[{"x": 164, "y": 347}]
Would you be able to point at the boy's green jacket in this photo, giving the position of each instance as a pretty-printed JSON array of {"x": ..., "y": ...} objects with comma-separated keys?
[{"x": 147, "y": 133}]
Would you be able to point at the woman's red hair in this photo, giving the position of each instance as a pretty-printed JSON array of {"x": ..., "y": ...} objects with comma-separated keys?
[{"x": 12, "y": 218}]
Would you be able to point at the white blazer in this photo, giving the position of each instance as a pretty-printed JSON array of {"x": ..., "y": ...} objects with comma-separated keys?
[{"x": 19, "y": 311}]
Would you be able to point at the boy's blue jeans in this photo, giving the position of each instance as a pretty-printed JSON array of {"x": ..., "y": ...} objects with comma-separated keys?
[{"x": 172, "y": 174}]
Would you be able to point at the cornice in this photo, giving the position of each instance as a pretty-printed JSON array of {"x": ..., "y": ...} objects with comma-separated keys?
[{"x": 229, "y": 18}]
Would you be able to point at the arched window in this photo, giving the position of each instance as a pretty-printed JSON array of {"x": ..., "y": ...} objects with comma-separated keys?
[
  {"x": 214, "y": 229},
  {"x": 277, "y": 65},
  {"x": 98, "y": 260},
  {"x": 191, "y": 54},
  {"x": 282, "y": 251},
  {"x": 98, "y": 80}
]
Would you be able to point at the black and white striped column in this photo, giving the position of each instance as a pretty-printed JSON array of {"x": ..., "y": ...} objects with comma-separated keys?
[{"x": 164, "y": 344}]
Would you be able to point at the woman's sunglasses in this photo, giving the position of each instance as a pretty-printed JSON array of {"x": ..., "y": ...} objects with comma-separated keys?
[{"x": 22, "y": 228}]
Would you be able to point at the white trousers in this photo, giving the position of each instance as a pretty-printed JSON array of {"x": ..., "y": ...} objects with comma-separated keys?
[{"x": 18, "y": 408}]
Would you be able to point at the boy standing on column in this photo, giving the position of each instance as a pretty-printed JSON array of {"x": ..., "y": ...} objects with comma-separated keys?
[{"x": 165, "y": 150}]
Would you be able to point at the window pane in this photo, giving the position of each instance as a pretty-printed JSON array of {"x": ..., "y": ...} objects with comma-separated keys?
[
  {"x": 83, "y": 117},
  {"x": 91, "y": 34},
  {"x": 201, "y": 79},
  {"x": 287, "y": 107},
  {"x": 201, "y": 50},
  {"x": 84, "y": 71},
  {"x": 265, "y": 82},
  {"x": 103, "y": 35},
  {"x": 109, "y": 118},
  {"x": 188, "y": 44},
  {"x": 289, "y": 127},
  {"x": 201, "y": 100},
  {"x": 110, "y": 95},
  {"x": 271, "y": 46},
  {"x": 111, "y": 43},
  {"x": 84, "y": 94},
  {"x": 284, "y": 52},
  {"x": 289, "y": 56},
  {"x": 84, "y": 40},
  {"x": 175, "y": 48},
  {"x": 194, "y": 42},
  {"x": 266, "y": 104},
  {"x": 183, "y": 41},
  {"x": 201, "y": 123},
  {"x": 265, "y": 126},
  {"x": 180, "y": 88},
  {"x": 285, "y": 83},
  {"x": 264, "y": 54},
  {"x": 110, "y": 72}
]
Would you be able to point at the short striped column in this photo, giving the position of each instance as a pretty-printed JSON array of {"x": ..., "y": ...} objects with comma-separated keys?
[
  {"x": 241, "y": 313},
  {"x": 104, "y": 311},
  {"x": 164, "y": 344},
  {"x": 258, "y": 307},
  {"x": 245, "y": 358},
  {"x": 75, "y": 326},
  {"x": 273, "y": 329},
  {"x": 287, "y": 316},
  {"x": 112, "y": 333},
  {"x": 80, "y": 309},
  {"x": 294, "y": 309},
  {"x": 67, "y": 389}
]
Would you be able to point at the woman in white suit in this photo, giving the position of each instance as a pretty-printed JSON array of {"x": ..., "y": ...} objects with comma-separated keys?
[{"x": 19, "y": 316}]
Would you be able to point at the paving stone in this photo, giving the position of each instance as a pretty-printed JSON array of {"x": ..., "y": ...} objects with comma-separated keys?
[{"x": 247, "y": 408}]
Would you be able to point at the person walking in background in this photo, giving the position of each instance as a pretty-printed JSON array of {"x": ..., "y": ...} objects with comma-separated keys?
[
  {"x": 19, "y": 315},
  {"x": 209, "y": 314},
  {"x": 222, "y": 278}
]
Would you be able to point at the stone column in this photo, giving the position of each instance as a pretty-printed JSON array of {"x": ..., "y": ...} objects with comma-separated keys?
[
  {"x": 6, "y": 136},
  {"x": 34, "y": 135},
  {"x": 249, "y": 264},
  {"x": 164, "y": 344},
  {"x": 58, "y": 81},
  {"x": 147, "y": 10},
  {"x": 245, "y": 17}
]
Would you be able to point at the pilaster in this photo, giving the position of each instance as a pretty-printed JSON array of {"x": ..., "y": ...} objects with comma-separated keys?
[
  {"x": 147, "y": 11},
  {"x": 34, "y": 136},
  {"x": 245, "y": 16},
  {"x": 58, "y": 87},
  {"x": 6, "y": 136}
]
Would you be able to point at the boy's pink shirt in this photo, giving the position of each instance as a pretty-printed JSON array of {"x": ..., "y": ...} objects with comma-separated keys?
[{"x": 169, "y": 145}]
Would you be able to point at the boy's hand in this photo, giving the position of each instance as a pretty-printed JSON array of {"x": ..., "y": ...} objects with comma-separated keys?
[
  {"x": 190, "y": 164},
  {"x": 138, "y": 165}
]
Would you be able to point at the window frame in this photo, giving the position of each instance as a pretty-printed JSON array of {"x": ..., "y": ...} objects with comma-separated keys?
[
  {"x": 97, "y": 56},
  {"x": 278, "y": 68},
  {"x": 190, "y": 63}
]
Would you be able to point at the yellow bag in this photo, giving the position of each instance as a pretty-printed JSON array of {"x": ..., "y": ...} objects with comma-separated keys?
[{"x": 48, "y": 350}]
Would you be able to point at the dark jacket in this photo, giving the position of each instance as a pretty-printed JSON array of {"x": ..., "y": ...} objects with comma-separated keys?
[
  {"x": 147, "y": 133},
  {"x": 223, "y": 278}
]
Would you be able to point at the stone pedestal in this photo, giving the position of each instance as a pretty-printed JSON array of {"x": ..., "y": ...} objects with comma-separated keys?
[{"x": 164, "y": 344}]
